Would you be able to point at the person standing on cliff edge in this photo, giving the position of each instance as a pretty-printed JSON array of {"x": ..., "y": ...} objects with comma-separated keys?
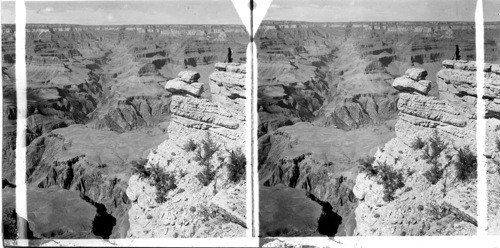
[
  {"x": 229, "y": 55},
  {"x": 457, "y": 52}
]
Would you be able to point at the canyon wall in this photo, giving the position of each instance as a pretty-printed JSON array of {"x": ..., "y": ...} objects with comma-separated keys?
[{"x": 423, "y": 182}]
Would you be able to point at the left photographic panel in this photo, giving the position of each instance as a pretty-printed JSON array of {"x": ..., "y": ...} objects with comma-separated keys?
[
  {"x": 136, "y": 119},
  {"x": 9, "y": 118}
]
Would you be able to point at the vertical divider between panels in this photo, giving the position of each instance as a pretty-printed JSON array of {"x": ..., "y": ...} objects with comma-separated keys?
[
  {"x": 21, "y": 102},
  {"x": 481, "y": 124}
]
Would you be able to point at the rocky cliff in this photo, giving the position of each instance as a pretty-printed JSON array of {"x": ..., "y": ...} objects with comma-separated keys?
[
  {"x": 194, "y": 207},
  {"x": 492, "y": 152},
  {"x": 423, "y": 182}
]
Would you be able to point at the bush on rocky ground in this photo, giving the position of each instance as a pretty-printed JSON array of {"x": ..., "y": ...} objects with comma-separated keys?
[
  {"x": 163, "y": 182},
  {"x": 366, "y": 166},
  {"x": 418, "y": 144},
  {"x": 138, "y": 168},
  {"x": 434, "y": 148},
  {"x": 497, "y": 143},
  {"x": 190, "y": 146},
  {"x": 434, "y": 174},
  {"x": 466, "y": 164},
  {"x": 206, "y": 151},
  {"x": 160, "y": 179},
  {"x": 206, "y": 176},
  {"x": 237, "y": 165},
  {"x": 204, "y": 155},
  {"x": 391, "y": 179}
]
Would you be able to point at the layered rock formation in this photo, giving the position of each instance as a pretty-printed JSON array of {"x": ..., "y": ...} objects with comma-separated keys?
[
  {"x": 423, "y": 182},
  {"x": 492, "y": 152},
  {"x": 192, "y": 208}
]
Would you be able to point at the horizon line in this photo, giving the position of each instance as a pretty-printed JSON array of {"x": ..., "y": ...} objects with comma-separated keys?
[{"x": 235, "y": 24}]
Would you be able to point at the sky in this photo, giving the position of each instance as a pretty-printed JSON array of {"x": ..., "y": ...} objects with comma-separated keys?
[
  {"x": 491, "y": 10},
  {"x": 8, "y": 12},
  {"x": 133, "y": 12},
  {"x": 374, "y": 10},
  {"x": 223, "y": 12}
]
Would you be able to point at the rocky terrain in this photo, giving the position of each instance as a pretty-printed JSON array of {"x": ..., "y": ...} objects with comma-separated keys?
[
  {"x": 97, "y": 102},
  {"x": 492, "y": 153},
  {"x": 423, "y": 182},
  {"x": 197, "y": 208},
  {"x": 326, "y": 100}
]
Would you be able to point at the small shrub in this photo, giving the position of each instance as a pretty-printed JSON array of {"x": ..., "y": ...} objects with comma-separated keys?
[
  {"x": 391, "y": 180},
  {"x": 190, "y": 146},
  {"x": 434, "y": 149},
  {"x": 163, "y": 182},
  {"x": 497, "y": 143},
  {"x": 466, "y": 165},
  {"x": 366, "y": 166},
  {"x": 237, "y": 166},
  {"x": 434, "y": 174},
  {"x": 204, "y": 154},
  {"x": 138, "y": 168},
  {"x": 376, "y": 215},
  {"x": 192, "y": 209},
  {"x": 158, "y": 178},
  {"x": 418, "y": 144},
  {"x": 206, "y": 176},
  {"x": 420, "y": 207}
]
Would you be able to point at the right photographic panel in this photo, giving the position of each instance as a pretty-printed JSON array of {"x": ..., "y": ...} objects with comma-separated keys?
[
  {"x": 367, "y": 118},
  {"x": 492, "y": 102}
]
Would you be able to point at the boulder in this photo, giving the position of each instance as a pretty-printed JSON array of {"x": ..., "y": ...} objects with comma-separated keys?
[
  {"x": 148, "y": 70},
  {"x": 495, "y": 68},
  {"x": 416, "y": 74},
  {"x": 405, "y": 83},
  {"x": 189, "y": 76},
  {"x": 467, "y": 66},
  {"x": 231, "y": 67},
  {"x": 177, "y": 86},
  {"x": 449, "y": 63}
]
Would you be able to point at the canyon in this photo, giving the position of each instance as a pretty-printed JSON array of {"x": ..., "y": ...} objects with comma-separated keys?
[
  {"x": 97, "y": 103},
  {"x": 330, "y": 98},
  {"x": 340, "y": 107}
]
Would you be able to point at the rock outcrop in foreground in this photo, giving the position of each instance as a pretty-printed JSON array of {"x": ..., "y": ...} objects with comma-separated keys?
[
  {"x": 423, "y": 182},
  {"x": 193, "y": 209},
  {"x": 492, "y": 153}
]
